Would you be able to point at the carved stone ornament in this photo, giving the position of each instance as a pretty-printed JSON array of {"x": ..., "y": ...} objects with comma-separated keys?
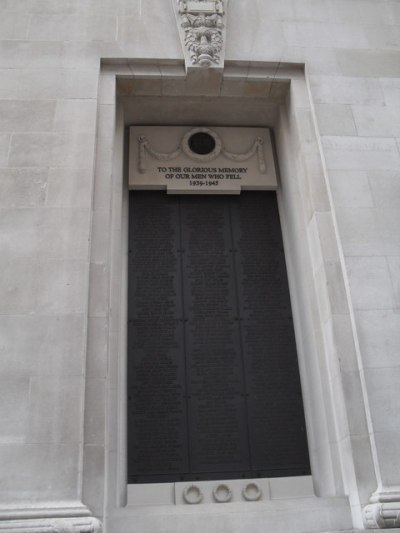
[
  {"x": 145, "y": 149},
  {"x": 202, "y": 29},
  {"x": 383, "y": 512}
]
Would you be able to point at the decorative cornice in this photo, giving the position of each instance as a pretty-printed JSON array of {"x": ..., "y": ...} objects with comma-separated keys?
[
  {"x": 384, "y": 511},
  {"x": 52, "y": 525},
  {"x": 202, "y": 30}
]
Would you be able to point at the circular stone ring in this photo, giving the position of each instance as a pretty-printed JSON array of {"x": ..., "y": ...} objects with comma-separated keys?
[
  {"x": 192, "y": 494},
  {"x": 251, "y": 492},
  {"x": 201, "y": 144},
  {"x": 222, "y": 494}
]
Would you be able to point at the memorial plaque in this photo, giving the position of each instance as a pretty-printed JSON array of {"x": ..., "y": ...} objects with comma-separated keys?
[
  {"x": 200, "y": 160},
  {"x": 214, "y": 389}
]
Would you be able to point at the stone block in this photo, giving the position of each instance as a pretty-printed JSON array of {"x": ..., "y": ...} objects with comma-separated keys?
[
  {"x": 314, "y": 185},
  {"x": 106, "y": 119},
  {"x": 336, "y": 287},
  {"x": 383, "y": 37},
  {"x": 370, "y": 283},
  {"x": 4, "y": 148},
  {"x": 357, "y": 153},
  {"x": 69, "y": 187},
  {"x": 15, "y": 54},
  {"x": 75, "y": 116},
  {"x": 83, "y": 55},
  {"x": 34, "y": 345},
  {"x": 73, "y": 150},
  {"x": 379, "y": 337},
  {"x": 354, "y": 408},
  {"x": 324, "y": 35},
  {"x": 48, "y": 83},
  {"x": 391, "y": 90},
  {"x": 96, "y": 366},
  {"x": 359, "y": 446},
  {"x": 52, "y": 287},
  {"x": 23, "y": 187},
  {"x": 52, "y": 149},
  {"x": 13, "y": 26},
  {"x": 43, "y": 6},
  {"x": 14, "y": 402},
  {"x": 95, "y": 408},
  {"x": 340, "y": 341},
  {"x": 27, "y": 115},
  {"x": 346, "y": 90},
  {"x": 45, "y": 233},
  {"x": 318, "y": 61},
  {"x": 98, "y": 301},
  {"x": 388, "y": 220},
  {"x": 373, "y": 121},
  {"x": 143, "y": 42},
  {"x": 335, "y": 119},
  {"x": 103, "y": 187},
  {"x": 394, "y": 268},
  {"x": 39, "y": 472},
  {"x": 51, "y": 27},
  {"x": 388, "y": 448},
  {"x": 93, "y": 478},
  {"x": 384, "y": 399},
  {"x": 351, "y": 188},
  {"x": 100, "y": 236},
  {"x": 61, "y": 287},
  {"x": 309, "y": 10},
  {"x": 55, "y": 407},
  {"x": 17, "y": 286},
  {"x": 359, "y": 231},
  {"x": 268, "y": 39},
  {"x": 107, "y": 88},
  {"x": 322, "y": 239},
  {"x": 360, "y": 11},
  {"x": 385, "y": 187},
  {"x": 369, "y": 63}
]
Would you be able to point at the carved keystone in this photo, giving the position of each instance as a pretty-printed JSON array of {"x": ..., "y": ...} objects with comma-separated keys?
[{"x": 202, "y": 30}]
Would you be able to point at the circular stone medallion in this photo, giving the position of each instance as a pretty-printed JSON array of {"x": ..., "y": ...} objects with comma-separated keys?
[{"x": 201, "y": 144}]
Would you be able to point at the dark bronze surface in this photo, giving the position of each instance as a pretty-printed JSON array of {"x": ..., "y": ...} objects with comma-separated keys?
[{"x": 213, "y": 384}]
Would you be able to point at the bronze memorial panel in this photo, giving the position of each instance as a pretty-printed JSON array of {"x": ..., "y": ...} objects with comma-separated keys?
[{"x": 213, "y": 381}]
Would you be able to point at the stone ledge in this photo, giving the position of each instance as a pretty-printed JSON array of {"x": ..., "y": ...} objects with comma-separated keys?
[{"x": 53, "y": 525}]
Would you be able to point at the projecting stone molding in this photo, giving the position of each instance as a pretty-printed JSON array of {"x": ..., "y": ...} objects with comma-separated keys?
[
  {"x": 53, "y": 525},
  {"x": 384, "y": 512},
  {"x": 59, "y": 517}
]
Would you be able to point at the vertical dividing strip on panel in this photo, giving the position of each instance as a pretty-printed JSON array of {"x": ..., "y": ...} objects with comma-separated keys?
[
  {"x": 239, "y": 321},
  {"x": 184, "y": 319}
]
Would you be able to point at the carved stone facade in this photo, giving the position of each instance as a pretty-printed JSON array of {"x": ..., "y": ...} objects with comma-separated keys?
[{"x": 324, "y": 76}]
